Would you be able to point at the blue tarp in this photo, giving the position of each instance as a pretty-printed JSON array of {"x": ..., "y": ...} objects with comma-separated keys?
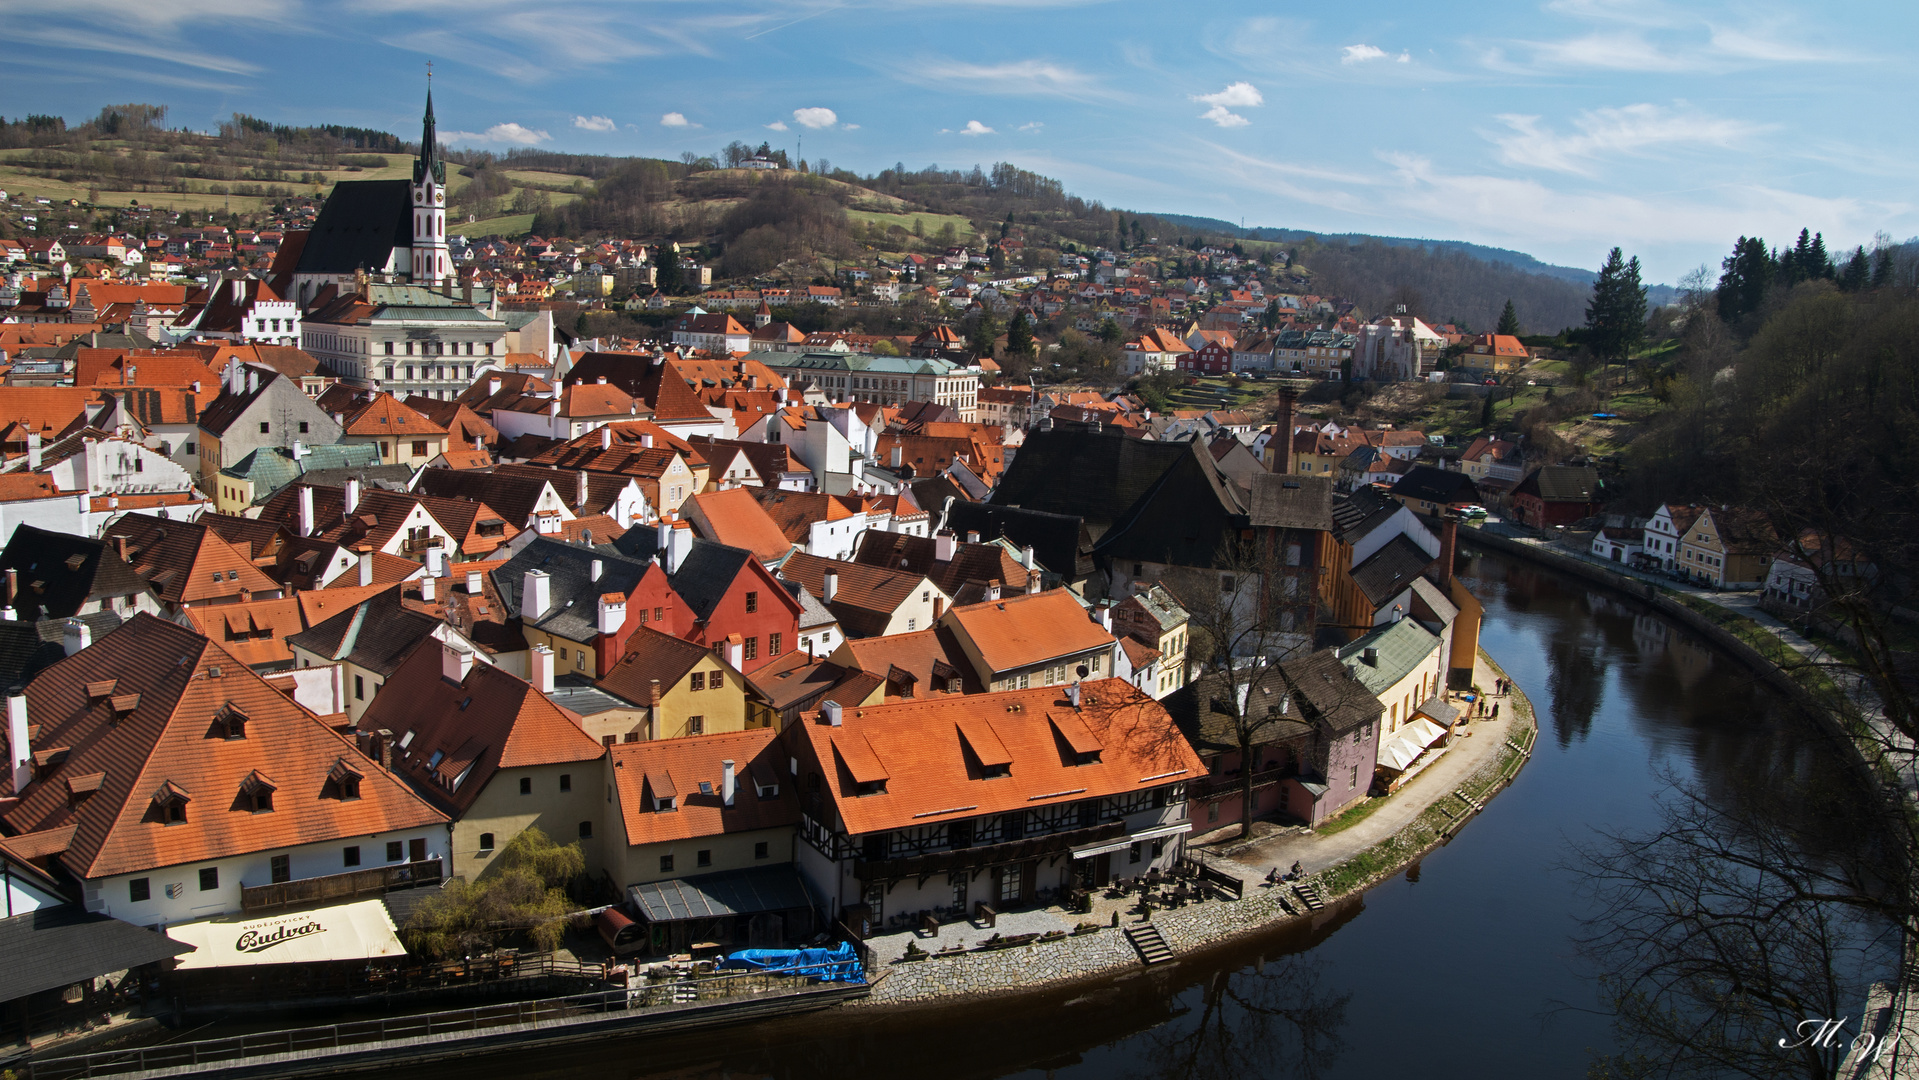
[{"x": 838, "y": 964}]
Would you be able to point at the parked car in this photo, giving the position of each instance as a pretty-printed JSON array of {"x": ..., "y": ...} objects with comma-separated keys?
[{"x": 1474, "y": 511}]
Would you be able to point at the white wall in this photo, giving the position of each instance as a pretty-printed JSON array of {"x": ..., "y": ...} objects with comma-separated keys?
[{"x": 63, "y": 513}]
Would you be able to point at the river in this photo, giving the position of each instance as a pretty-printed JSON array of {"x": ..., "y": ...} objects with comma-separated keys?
[{"x": 1462, "y": 967}]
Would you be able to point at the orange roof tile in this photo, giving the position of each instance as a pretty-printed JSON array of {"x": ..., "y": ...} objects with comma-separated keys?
[
  {"x": 1022, "y": 631},
  {"x": 759, "y": 764},
  {"x": 735, "y": 517}
]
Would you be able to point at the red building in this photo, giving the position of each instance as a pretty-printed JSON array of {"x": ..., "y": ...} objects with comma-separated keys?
[
  {"x": 1212, "y": 358},
  {"x": 1556, "y": 495}
]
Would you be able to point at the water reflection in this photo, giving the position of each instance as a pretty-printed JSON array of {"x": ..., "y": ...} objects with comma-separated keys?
[{"x": 1446, "y": 979}]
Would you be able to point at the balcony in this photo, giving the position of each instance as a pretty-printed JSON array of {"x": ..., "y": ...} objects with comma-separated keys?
[
  {"x": 986, "y": 854},
  {"x": 334, "y": 887},
  {"x": 418, "y": 544}
]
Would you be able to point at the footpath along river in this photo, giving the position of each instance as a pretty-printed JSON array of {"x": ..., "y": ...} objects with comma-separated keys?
[{"x": 1452, "y": 969}]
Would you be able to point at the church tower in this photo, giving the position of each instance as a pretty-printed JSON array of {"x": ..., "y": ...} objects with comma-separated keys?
[{"x": 431, "y": 264}]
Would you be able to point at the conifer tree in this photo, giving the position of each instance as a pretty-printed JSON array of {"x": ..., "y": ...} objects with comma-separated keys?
[
  {"x": 1019, "y": 335},
  {"x": 1509, "y": 321},
  {"x": 1858, "y": 272},
  {"x": 1748, "y": 273},
  {"x": 1616, "y": 317}
]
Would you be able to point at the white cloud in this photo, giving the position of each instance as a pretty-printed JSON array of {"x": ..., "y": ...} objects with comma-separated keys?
[
  {"x": 1405, "y": 57},
  {"x": 1359, "y": 54},
  {"x": 674, "y": 119},
  {"x": 1026, "y": 78},
  {"x": 849, "y": 127},
  {"x": 815, "y": 117},
  {"x": 1238, "y": 95},
  {"x": 500, "y": 133},
  {"x": 974, "y": 127},
  {"x": 777, "y": 125},
  {"x": 594, "y": 123},
  {"x": 1611, "y": 132},
  {"x": 1034, "y": 126},
  {"x": 1224, "y": 117}
]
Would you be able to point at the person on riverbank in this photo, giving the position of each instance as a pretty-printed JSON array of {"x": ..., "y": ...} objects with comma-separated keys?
[{"x": 1495, "y": 710}]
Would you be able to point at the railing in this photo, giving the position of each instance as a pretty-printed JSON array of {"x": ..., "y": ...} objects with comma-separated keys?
[
  {"x": 317, "y": 1041},
  {"x": 352, "y": 884},
  {"x": 424, "y": 543},
  {"x": 1208, "y": 786}
]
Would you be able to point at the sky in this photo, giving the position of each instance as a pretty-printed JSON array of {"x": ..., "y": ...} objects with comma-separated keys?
[{"x": 1560, "y": 128}]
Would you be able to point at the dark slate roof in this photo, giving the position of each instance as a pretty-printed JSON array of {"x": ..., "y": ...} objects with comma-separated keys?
[
  {"x": 24, "y": 652},
  {"x": 1391, "y": 569},
  {"x": 1356, "y": 513},
  {"x": 59, "y": 946},
  {"x": 359, "y": 226},
  {"x": 730, "y": 892},
  {"x": 1331, "y": 693},
  {"x": 706, "y": 574},
  {"x": 1203, "y": 710},
  {"x": 1059, "y": 541},
  {"x": 513, "y": 496},
  {"x": 1185, "y": 519},
  {"x": 1284, "y": 501},
  {"x": 1436, "y": 485},
  {"x": 1095, "y": 477},
  {"x": 573, "y": 610},
  {"x": 52, "y": 584},
  {"x": 1562, "y": 483},
  {"x": 376, "y": 634}
]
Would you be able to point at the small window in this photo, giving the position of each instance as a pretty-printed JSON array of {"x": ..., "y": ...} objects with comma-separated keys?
[
  {"x": 586, "y": 830},
  {"x": 209, "y": 879},
  {"x": 139, "y": 889},
  {"x": 265, "y": 428},
  {"x": 486, "y": 841},
  {"x": 282, "y": 868},
  {"x": 699, "y": 680},
  {"x": 359, "y": 688},
  {"x": 566, "y": 781},
  {"x": 752, "y": 602},
  {"x": 704, "y": 857},
  {"x": 394, "y": 850},
  {"x": 666, "y": 864},
  {"x": 695, "y": 725},
  {"x": 526, "y": 785},
  {"x": 350, "y": 856},
  {"x": 753, "y": 648},
  {"x": 772, "y": 644},
  {"x": 760, "y": 850},
  {"x": 303, "y": 427}
]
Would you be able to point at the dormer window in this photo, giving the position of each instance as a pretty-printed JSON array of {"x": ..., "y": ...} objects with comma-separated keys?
[
  {"x": 170, "y": 804},
  {"x": 233, "y": 721},
  {"x": 343, "y": 781},
  {"x": 662, "y": 803},
  {"x": 256, "y": 793}
]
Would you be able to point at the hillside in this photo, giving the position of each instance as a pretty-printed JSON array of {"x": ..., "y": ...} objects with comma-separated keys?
[{"x": 754, "y": 221}]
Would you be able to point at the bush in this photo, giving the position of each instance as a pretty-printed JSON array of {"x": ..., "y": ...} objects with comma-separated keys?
[{"x": 519, "y": 894}]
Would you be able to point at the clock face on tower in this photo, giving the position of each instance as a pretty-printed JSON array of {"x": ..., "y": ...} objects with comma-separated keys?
[
  {"x": 418, "y": 196},
  {"x": 439, "y": 197}
]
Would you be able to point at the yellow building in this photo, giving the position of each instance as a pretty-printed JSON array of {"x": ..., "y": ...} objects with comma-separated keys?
[
  {"x": 700, "y": 805},
  {"x": 677, "y": 688}
]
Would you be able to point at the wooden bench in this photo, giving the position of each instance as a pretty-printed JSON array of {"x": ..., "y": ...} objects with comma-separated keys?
[{"x": 984, "y": 914}]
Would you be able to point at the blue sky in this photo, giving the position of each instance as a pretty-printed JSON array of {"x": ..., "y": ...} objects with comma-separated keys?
[{"x": 1559, "y": 128}]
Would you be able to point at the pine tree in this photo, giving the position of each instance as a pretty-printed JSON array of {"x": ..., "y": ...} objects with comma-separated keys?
[
  {"x": 1019, "y": 335},
  {"x": 1882, "y": 268},
  {"x": 1508, "y": 321},
  {"x": 1858, "y": 272},
  {"x": 1616, "y": 317},
  {"x": 1818, "y": 264},
  {"x": 1486, "y": 411},
  {"x": 1748, "y": 273},
  {"x": 984, "y": 334},
  {"x": 1796, "y": 265}
]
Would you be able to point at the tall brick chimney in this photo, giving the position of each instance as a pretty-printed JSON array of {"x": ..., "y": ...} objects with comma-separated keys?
[{"x": 1283, "y": 456}]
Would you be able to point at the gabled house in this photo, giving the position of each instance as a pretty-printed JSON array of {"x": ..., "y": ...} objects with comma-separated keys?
[
  {"x": 1728, "y": 548},
  {"x": 57, "y": 575},
  {"x": 677, "y": 689},
  {"x": 188, "y": 563},
  {"x": 490, "y": 752},
  {"x": 368, "y": 641},
  {"x": 258, "y": 408},
  {"x": 707, "y": 804},
  {"x": 961, "y": 571},
  {"x": 868, "y": 601},
  {"x": 404, "y": 437},
  {"x": 1554, "y": 495},
  {"x": 1034, "y": 639},
  {"x": 171, "y": 782}
]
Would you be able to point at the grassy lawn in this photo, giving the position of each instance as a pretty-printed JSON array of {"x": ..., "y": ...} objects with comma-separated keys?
[
  {"x": 1350, "y": 818},
  {"x": 511, "y": 225},
  {"x": 932, "y": 223}
]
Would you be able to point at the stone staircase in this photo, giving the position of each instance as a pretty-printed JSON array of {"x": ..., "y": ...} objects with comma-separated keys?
[
  {"x": 1309, "y": 895},
  {"x": 1152, "y": 948}
]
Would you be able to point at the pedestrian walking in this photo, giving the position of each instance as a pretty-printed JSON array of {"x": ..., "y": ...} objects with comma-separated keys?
[{"x": 1495, "y": 710}]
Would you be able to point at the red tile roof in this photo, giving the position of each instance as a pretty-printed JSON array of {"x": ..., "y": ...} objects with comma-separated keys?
[
  {"x": 758, "y": 762},
  {"x": 735, "y": 517},
  {"x": 1022, "y": 631}
]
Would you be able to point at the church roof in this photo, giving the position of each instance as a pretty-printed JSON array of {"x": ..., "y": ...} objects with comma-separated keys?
[{"x": 359, "y": 226}]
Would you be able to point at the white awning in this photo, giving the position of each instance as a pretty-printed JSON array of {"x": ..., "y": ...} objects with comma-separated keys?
[
  {"x": 1128, "y": 841},
  {"x": 1422, "y": 731},
  {"x": 362, "y": 930},
  {"x": 1399, "y": 753}
]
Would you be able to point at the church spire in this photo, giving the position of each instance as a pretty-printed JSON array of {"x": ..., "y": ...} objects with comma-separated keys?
[{"x": 429, "y": 165}]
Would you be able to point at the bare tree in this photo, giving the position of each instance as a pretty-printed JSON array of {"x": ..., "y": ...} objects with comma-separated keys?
[{"x": 1279, "y": 1020}]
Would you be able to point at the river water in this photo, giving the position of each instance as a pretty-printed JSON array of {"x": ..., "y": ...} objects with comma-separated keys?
[{"x": 1461, "y": 967}]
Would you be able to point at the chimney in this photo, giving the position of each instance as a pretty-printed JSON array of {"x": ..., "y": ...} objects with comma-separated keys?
[
  {"x": 646, "y": 440},
  {"x": 428, "y": 587},
  {"x": 253, "y": 381},
  {"x": 542, "y": 669},
  {"x": 727, "y": 782},
  {"x": 992, "y": 589},
  {"x": 239, "y": 287},
  {"x": 944, "y": 546},
  {"x": 455, "y": 662},
  {"x": 580, "y": 494},
  {"x": 735, "y": 652},
  {"x": 1369, "y": 656},
  {"x": 366, "y": 568},
  {"x": 899, "y": 455},
  {"x": 473, "y": 583},
  {"x": 599, "y": 567},
  {"x": 1032, "y": 582},
  {"x": 306, "y": 510},
  {"x": 606, "y": 438},
  {"x": 536, "y": 594},
  {"x": 1072, "y": 695},
  {"x": 76, "y": 635},
  {"x": 1026, "y": 558},
  {"x": 1448, "y": 548},
  {"x": 33, "y": 451},
  {"x": 612, "y": 613},
  {"x": 1106, "y": 617},
  {"x": 680, "y": 545},
  {"x": 832, "y": 586},
  {"x": 299, "y": 450},
  {"x": 831, "y": 710},
  {"x": 493, "y": 387},
  {"x": 1283, "y": 459},
  {"x": 17, "y": 740},
  {"x": 350, "y": 492},
  {"x": 972, "y": 537}
]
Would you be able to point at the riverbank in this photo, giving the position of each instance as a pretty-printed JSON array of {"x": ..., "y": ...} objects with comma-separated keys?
[{"x": 1436, "y": 805}]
